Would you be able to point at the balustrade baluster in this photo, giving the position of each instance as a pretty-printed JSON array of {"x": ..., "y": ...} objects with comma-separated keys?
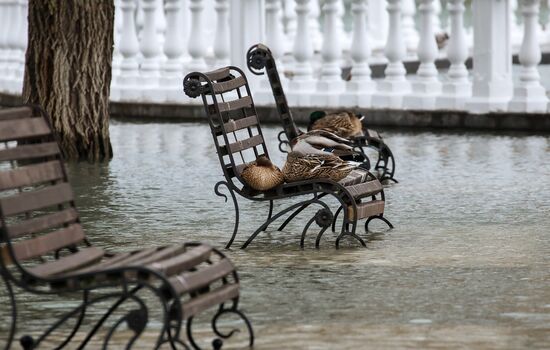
[
  {"x": 408, "y": 10},
  {"x": 274, "y": 31},
  {"x": 360, "y": 86},
  {"x": 221, "y": 41},
  {"x": 529, "y": 94},
  {"x": 150, "y": 46},
  {"x": 4, "y": 49},
  {"x": 160, "y": 21},
  {"x": 427, "y": 86},
  {"x": 314, "y": 26},
  {"x": 12, "y": 36},
  {"x": 436, "y": 16},
  {"x": 378, "y": 25},
  {"x": 197, "y": 45},
  {"x": 174, "y": 44},
  {"x": 457, "y": 88},
  {"x": 330, "y": 83},
  {"x": 302, "y": 83},
  {"x": 117, "y": 27},
  {"x": 395, "y": 85},
  {"x": 22, "y": 45},
  {"x": 289, "y": 20},
  {"x": 127, "y": 81}
]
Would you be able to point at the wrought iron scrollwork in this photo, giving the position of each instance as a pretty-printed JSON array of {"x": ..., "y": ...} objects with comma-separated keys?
[
  {"x": 284, "y": 145},
  {"x": 192, "y": 87},
  {"x": 256, "y": 58},
  {"x": 235, "y": 204}
]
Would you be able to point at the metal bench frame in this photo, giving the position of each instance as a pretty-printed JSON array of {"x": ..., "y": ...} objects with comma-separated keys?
[
  {"x": 225, "y": 118},
  {"x": 117, "y": 280},
  {"x": 258, "y": 58}
]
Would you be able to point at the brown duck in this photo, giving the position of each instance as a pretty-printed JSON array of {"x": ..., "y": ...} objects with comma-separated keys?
[
  {"x": 262, "y": 174},
  {"x": 345, "y": 124}
]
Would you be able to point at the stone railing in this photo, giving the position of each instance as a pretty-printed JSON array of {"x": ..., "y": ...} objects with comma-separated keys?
[{"x": 326, "y": 48}]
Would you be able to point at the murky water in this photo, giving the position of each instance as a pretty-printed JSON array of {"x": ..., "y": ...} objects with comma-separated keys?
[{"x": 467, "y": 266}]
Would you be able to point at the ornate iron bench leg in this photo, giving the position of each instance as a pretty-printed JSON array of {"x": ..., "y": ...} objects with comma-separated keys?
[
  {"x": 235, "y": 205},
  {"x": 380, "y": 217},
  {"x": 346, "y": 231},
  {"x": 13, "y": 305}
]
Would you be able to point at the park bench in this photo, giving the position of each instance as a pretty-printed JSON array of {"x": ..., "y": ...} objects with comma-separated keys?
[
  {"x": 258, "y": 58},
  {"x": 238, "y": 140},
  {"x": 44, "y": 250}
]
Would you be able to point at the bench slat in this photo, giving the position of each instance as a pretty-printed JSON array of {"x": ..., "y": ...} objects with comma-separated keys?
[
  {"x": 44, "y": 222},
  {"x": 183, "y": 262},
  {"x": 190, "y": 281},
  {"x": 365, "y": 189},
  {"x": 17, "y": 129},
  {"x": 15, "y": 113},
  {"x": 239, "y": 124},
  {"x": 244, "y": 144},
  {"x": 39, "y": 246},
  {"x": 229, "y": 85},
  {"x": 29, "y": 201},
  {"x": 31, "y": 174},
  {"x": 242, "y": 102},
  {"x": 215, "y": 297},
  {"x": 68, "y": 263},
  {"x": 29, "y": 151},
  {"x": 218, "y": 74},
  {"x": 367, "y": 209}
]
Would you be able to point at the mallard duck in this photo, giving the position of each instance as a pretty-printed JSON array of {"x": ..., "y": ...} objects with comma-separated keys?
[
  {"x": 316, "y": 141},
  {"x": 262, "y": 174},
  {"x": 299, "y": 167},
  {"x": 344, "y": 124}
]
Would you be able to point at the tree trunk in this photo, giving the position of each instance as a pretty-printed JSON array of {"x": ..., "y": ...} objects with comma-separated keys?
[{"x": 68, "y": 72}]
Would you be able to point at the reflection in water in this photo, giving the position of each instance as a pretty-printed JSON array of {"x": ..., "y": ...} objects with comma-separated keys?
[{"x": 470, "y": 251}]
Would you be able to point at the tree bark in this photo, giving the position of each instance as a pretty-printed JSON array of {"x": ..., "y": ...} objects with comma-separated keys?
[{"x": 68, "y": 72}]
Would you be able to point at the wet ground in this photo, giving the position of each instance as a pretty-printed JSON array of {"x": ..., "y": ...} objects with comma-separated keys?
[{"x": 467, "y": 266}]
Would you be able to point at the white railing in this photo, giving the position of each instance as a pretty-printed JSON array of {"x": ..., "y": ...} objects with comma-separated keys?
[{"x": 158, "y": 41}]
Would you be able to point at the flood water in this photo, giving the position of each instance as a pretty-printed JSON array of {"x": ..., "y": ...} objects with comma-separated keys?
[{"x": 467, "y": 265}]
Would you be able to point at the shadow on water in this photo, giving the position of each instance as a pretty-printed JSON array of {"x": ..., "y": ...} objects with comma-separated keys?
[{"x": 467, "y": 265}]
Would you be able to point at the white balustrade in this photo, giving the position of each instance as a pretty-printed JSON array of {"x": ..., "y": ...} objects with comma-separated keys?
[
  {"x": 426, "y": 87},
  {"x": 360, "y": 87},
  {"x": 457, "y": 88},
  {"x": 302, "y": 83},
  {"x": 173, "y": 37},
  {"x": 395, "y": 86},
  {"x": 408, "y": 10},
  {"x": 529, "y": 95},
  {"x": 330, "y": 83},
  {"x": 197, "y": 44},
  {"x": 221, "y": 41}
]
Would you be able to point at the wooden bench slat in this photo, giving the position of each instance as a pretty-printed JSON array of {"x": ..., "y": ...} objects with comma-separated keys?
[
  {"x": 43, "y": 222},
  {"x": 41, "y": 245},
  {"x": 17, "y": 129},
  {"x": 218, "y": 74},
  {"x": 213, "y": 298},
  {"x": 365, "y": 189},
  {"x": 183, "y": 262},
  {"x": 162, "y": 254},
  {"x": 242, "y": 102},
  {"x": 373, "y": 134},
  {"x": 29, "y": 151},
  {"x": 31, "y": 174},
  {"x": 122, "y": 259},
  {"x": 354, "y": 178},
  {"x": 243, "y": 144},
  {"x": 229, "y": 85},
  {"x": 367, "y": 209},
  {"x": 83, "y": 257},
  {"x": 191, "y": 281},
  {"x": 16, "y": 113},
  {"x": 29, "y": 201},
  {"x": 239, "y": 124}
]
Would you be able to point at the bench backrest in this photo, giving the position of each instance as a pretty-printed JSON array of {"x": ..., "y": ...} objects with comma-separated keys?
[
  {"x": 232, "y": 117},
  {"x": 259, "y": 57},
  {"x": 38, "y": 218}
]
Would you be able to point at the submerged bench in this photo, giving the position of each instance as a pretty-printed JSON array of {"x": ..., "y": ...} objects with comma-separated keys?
[
  {"x": 259, "y": 57},
  {"x": 44, "y": 250},
  {"x": 238, "y": 139}
]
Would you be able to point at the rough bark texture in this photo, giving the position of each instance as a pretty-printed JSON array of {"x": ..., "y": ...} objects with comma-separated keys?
[{"x": 68, "y": 72}]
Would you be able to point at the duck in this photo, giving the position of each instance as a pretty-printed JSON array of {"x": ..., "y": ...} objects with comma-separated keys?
[
  {"x": 312, "y": 157},
  {"x": 262, "y": 174},
  {"x": 345, "y": 124}
]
